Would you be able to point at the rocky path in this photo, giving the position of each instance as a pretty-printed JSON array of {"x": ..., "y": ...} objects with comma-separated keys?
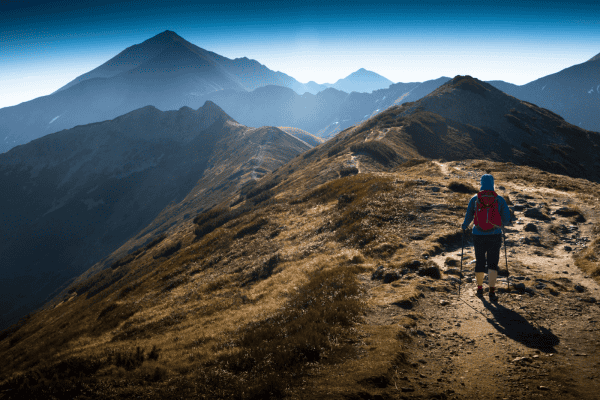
[{"x": 540, "y": 340}]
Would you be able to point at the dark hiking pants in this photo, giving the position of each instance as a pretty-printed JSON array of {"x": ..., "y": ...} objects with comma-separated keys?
[{"x": 487, "y": 245}]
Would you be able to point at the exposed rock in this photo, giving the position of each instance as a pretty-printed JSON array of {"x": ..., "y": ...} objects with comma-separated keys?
[
  {"x": 591, "y": 300},
  {"x": 386, "y": 274},
  {"x": 431, "y": 270},
  {"x": 533, "y": 240},
  {"x": 522, "y": 359},
  {"x": 531, "y": 227},
  {"x": 568, "y": 248},
  {"x": 444, "y": 302},
  {"x": 536, "y": 213},
  {"x": 580, "y": 288}
]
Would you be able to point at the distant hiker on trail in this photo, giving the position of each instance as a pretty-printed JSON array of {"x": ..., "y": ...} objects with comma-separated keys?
[{"x": 491, "y": 214}]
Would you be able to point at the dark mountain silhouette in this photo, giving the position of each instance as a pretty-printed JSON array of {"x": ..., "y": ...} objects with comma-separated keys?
[
  {"x": 573, "y": 93},
  {"x": 79, "y": 194}
]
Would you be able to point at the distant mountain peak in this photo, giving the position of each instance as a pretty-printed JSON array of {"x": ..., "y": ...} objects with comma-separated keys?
[
  {"x": 365, "y": 72},
  {"x": 163, "y": 38}
]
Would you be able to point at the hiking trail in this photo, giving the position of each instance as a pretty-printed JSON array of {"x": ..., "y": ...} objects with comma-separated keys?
[{"x": 540, "y": 340}]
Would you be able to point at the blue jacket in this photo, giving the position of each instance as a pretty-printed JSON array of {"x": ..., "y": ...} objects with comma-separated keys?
[{"x": 487, "y": 183}]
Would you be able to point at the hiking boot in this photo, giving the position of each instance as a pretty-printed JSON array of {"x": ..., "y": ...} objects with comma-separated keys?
[
  {"x": 479, "y": 292},
  {"x": 493, "y": 296}
]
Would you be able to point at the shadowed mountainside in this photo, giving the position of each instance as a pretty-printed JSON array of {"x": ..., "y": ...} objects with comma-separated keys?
[
  {"x": 78, "y": 195},
  {"x": 573, "y": 93}
]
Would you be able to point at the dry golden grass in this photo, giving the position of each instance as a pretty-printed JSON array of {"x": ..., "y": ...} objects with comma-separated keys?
[
  {"x": 588, "y": 259},
  {"x": 199, "y": 297}
]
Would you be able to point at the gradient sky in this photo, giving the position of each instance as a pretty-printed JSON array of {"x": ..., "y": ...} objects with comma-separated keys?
[{"x": 46, "y": 44}]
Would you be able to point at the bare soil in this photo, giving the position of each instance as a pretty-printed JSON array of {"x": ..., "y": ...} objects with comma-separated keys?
[{"x": 539, "y": 340}]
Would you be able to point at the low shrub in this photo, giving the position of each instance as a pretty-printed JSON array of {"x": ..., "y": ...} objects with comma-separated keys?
[
  {"x": 260, "y": 188},
  {"x": 378, "y": 150},
  {"x": 461, "y": 187},
  {"x": 127, "y": 259},
  {"x": 169, "y": 250},
  {"x": 215, "y": 218},
  {"x": 98, "y": 282},
  {"x": 252, "y": 227},
  {"x": 335, "y": 150},
  {"x": 156, "y": 241},
  {"x": 66, "y": 379},
  {"x": 412, "y": 162},
  {"x": 346, "y": 171}
]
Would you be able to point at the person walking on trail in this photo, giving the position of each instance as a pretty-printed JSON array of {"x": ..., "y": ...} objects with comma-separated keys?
[{"x": 490, "y": 214}]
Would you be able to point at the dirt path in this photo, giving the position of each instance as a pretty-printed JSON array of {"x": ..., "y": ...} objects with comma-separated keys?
[{"x": 540, "y": 340}]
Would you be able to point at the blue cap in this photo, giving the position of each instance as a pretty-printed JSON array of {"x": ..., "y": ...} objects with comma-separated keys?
[{"x": 487, "y": 182}]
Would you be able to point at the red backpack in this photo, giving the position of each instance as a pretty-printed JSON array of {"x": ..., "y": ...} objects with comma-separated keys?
[{"x": 486, "y": 210}]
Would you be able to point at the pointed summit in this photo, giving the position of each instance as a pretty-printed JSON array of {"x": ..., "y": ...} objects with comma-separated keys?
[
  {"x": 363, "y": 80},
  {"x": 162, "y": 39}
]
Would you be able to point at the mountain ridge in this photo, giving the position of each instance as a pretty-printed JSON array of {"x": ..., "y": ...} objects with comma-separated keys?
[
  {"x": 93, "y": 187},
  {"x": 334, "y": 274}
]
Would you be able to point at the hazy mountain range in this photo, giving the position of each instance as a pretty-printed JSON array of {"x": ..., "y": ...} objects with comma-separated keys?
[
  {"x": 73, "y": 197},
  {"x": 165, "y": 71},
  {"x": 168, "y": 72}
]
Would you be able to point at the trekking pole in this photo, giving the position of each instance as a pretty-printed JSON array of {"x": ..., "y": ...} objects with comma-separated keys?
[
  {"x": 506, "y": 258},
  {"x": 461, "y": 259}
]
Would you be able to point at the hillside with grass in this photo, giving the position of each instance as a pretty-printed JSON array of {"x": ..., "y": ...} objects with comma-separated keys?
[
  {"x": 336, "y": 276},
  {"x": 79, "y": 195}
]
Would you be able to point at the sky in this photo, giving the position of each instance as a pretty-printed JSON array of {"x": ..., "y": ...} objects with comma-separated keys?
[{"x": 46, "y": 44}]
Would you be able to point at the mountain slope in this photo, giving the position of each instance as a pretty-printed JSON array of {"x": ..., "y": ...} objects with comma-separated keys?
[
  {"x": 306, "y": 137},
  {"x": 336, "y": 273},
  {"x": 573, "y": 93},
  {"x": 78, "y": 195}
]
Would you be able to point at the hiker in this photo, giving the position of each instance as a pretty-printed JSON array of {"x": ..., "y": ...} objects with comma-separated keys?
[{"x": 491, "y": 214}]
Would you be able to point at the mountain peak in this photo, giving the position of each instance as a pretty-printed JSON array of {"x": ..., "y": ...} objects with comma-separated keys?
[
  {"x": 163, "y": 38},
  {"x": 467, "y": 82}
]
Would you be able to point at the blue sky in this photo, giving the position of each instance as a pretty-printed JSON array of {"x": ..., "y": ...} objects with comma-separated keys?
[{"x": 44, "y": 45}]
